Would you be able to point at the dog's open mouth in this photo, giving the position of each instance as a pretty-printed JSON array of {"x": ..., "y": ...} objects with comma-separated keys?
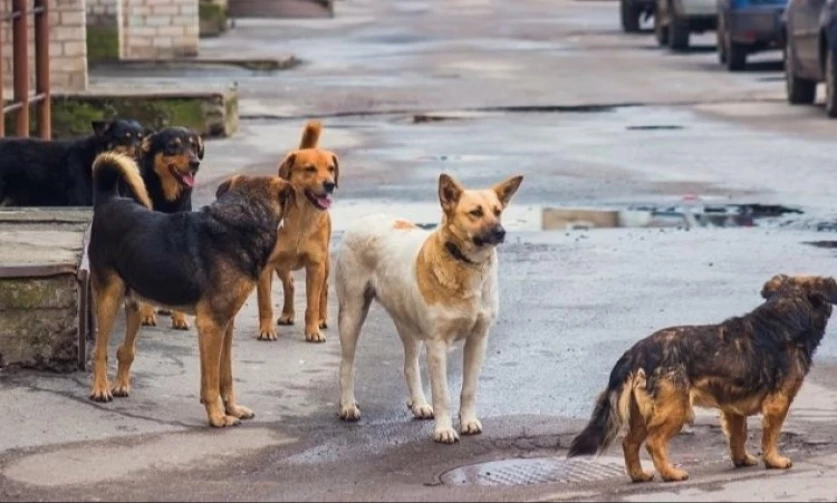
[
  {"x": 186, "y": 179},
  {"x": 321, "y": 201}
]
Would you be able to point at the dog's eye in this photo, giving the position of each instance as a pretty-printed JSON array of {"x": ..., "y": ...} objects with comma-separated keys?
[
  {"x": 128, "y": 135},
  {"x": 311, "y": 169},
  {"x": 331, "y": 169},
  {"x": 476, "y": 212}
]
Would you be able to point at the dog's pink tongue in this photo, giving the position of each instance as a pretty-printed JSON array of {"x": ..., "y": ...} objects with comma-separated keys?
[
  {"x": 189, "y": 180},
  {"x": 324, "y": 202}
]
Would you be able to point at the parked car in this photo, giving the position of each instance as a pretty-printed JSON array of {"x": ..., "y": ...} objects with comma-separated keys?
[
  {"x": 632, "y": 11},
  {"x": 811, "y": 52},
  {"x": 676, "y": 20},
  {"x": 748, "y": 26}
]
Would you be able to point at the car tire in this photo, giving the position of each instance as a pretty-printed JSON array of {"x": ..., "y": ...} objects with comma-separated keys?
[
  {"x": 799, "y": 91},
  {"x": 678, "y": 33},
  {"x": 660, "y": 31},
  {"x": 629, "y": 14},
  {"x": 720, "y": 35},
  {"x": 831, "y": 84},
  {"x": 736, "y": 55}
]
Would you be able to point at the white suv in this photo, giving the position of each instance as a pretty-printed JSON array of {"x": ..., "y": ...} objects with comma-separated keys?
[{"x": 675, "y": 20}]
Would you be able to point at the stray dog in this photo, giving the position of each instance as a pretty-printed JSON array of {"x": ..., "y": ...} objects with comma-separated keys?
[
  {"x": 36, "y": 172},
  {"x": 745, "y": 365},
  {"x": 205, "y": 263},
  {"x": 169, "y": 161},
  {"x": 304, "y": 238},
  {"x": 438, "y": 287}
]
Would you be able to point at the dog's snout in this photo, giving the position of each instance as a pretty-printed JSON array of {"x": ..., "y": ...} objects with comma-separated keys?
[
  {"x": 499, "y": 233},
  {"x": 194, "y": 163},
  {"x": 329, "y": 187}
]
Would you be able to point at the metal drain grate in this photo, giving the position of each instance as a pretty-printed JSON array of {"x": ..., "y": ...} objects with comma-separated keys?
[{"x": 512, "y": 472}]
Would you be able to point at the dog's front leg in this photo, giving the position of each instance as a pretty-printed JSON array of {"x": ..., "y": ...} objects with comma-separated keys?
[
  {"x": 437, "y": 355},
  {"x": 473, "y": 356},
  {"x": 774, "y": 411},
  {"x": 314, "y": 281},
  {"x": 264, "y": 297},
  {"x": 210, "y": 345},
  {"x": 148, "y": 315}
]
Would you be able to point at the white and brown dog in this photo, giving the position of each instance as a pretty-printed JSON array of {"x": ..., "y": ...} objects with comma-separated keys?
[{"x": 438, "y": 287}]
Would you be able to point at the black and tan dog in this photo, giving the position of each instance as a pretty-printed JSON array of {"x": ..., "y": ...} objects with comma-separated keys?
[
  {"x": 746, "y": 365},
  {"x": 169, "y": 162},
  {"x": 36, "y": 172},
  {"x": 205, "y": 263}
]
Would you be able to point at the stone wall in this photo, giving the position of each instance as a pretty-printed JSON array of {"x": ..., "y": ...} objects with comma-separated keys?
[
  {"x": 67, "y": 47},
  {"x": 159, "y": 29}
]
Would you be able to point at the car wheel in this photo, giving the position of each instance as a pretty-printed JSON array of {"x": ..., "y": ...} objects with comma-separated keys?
[
  {"x": 831, "y": 84},
  {"x": 629, "y": 14},
  {"x": 720, "y": 35},
  {"x": 736, "y": 55},
  {"x": 799, "y": 91},
  {"x": 660, "y": 30},
  {"x": 678, "y": 36}
]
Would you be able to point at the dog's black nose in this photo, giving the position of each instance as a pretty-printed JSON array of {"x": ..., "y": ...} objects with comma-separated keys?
[
  {"x": 329, "y": 187},
  {"x": 194, "y": 164},
  {"x": 499, "y": 234}
]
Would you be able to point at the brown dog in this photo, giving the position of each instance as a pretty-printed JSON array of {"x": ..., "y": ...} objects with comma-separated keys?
[
  {"x": 744, "y": 366},
  {"x": 204, "y": 263},
  {"x": 304, "y": 238}
]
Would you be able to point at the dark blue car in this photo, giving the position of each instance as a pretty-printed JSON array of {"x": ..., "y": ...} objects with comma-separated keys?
[{"x": 746, "y": 27}]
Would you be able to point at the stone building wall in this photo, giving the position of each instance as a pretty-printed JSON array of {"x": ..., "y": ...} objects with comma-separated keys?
[{"x": 159, "y": 29}]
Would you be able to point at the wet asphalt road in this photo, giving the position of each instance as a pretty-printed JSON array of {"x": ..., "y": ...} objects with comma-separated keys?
[{"x": 571, "y": 301}]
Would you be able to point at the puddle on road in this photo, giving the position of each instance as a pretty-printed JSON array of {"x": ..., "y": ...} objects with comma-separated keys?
[{"x": 541, "y": 217}]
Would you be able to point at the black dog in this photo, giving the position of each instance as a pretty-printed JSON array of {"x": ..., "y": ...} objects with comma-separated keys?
[
  {"x": 169, "y": 160},
  {"x": 36, "y": 172}
]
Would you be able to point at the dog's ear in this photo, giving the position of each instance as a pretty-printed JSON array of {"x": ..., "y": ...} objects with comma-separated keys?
[
  {"x": 146, "y": 143},
  {"x": 287, "y": 164},
  {"x": 827, "y": 288},
  {"x": 505, "y": 190},
  {"x": 224, "y": 187},
  {"x": 773, "y": 286},
  {"x": 449, "y": 192},
  {"x": 101, "y": 128},
  {"x": 199, "y": 146},
  {"x": 284, "y": 190},
  {"x": 336, "y": 170}
]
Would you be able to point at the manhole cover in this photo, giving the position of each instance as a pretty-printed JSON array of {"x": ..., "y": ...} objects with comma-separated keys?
[{"x": 512, "y": 472}]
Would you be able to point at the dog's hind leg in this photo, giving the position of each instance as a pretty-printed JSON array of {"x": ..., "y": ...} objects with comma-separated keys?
[
  {"x": 633, "y": 442},
  {"x": 735, "y": 428},
  {"x": 227, "y": 392},
  {"x": 774, "y": 410},
  {"x": 671, "y": 411},
  {"x": 352, "y": 310},
  {"x": 109, "y": 293},
  {"x": 148, "y": 314},
  {"x": 179, "y": 321},
  {"x": 437, "y": 361},
  {"x": 264, "y": 294},
  {"x": 417, "y": 402},
  {"x": 324, "y": 296},
  {"x": 127, "y": 350},
  {"x": 287, "y": 279}
]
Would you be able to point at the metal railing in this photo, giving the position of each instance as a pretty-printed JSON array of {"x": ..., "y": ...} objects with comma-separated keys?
[{"x": 19, "y": 19}]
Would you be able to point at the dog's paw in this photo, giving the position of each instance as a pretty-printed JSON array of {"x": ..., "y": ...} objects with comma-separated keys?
[
  {"x": 285, "y": 319},
  {"x": 642, "y": 476},
  {"x": 420, "y": 410},
  {"x": 314, "y": 335},
  {"x": 445, "y": 435},
  {"x": 675, "y": 475},
  {"x": 778, "y": 463},
  {"x": 470, "y": 426},
  {"x": 149, "y": 319},
  {"x": 267, "y": 332},
  {"x": 350, "y": 412},
  {"x": 749, "y": 460},
  {"x": 101, "y": 393},
  {"x": 179, "y": 322},
  {"x": 240, "y": 412},
  {"x": 223, "y": 421},
  {"x": 121, "y": 389}
]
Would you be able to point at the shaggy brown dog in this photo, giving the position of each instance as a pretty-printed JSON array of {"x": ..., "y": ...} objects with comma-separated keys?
[{"x": 744, "y": 366}]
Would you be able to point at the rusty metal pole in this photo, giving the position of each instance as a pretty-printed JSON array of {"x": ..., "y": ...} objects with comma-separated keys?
[
  {"x": 2, "y": 103},
  {"x": 20, "y": 57},
  {"x": 42, "y": 69}
]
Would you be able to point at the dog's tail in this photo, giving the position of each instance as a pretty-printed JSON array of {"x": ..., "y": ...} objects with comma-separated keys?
[
  {"x": 612, "y": 411},
  {"x": 111, "y": 167},
  {"x": 311, "y": 134}
]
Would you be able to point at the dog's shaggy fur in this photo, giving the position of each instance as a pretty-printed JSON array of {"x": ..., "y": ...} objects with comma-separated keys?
[{"x": 744, "y": 366}]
